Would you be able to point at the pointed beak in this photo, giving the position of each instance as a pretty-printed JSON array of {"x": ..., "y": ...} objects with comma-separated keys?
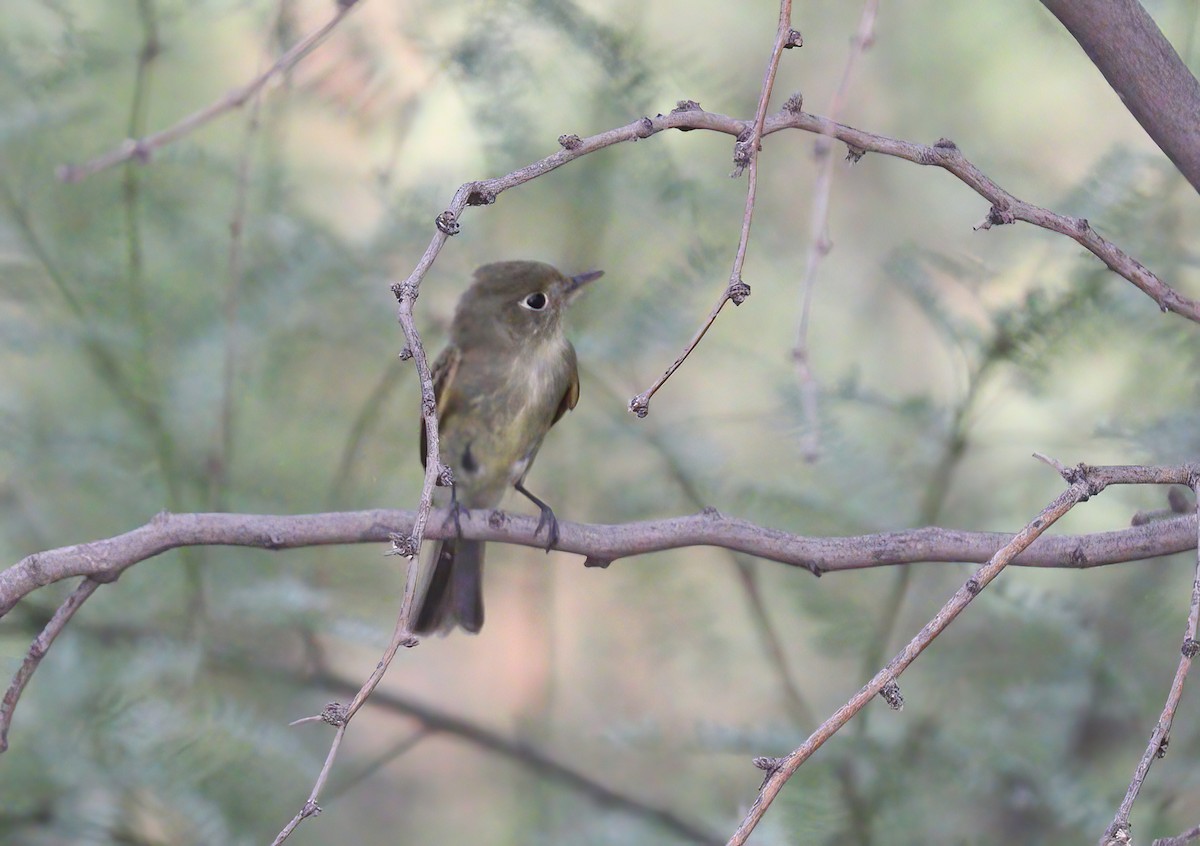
[{"x": 576, "y": 283}]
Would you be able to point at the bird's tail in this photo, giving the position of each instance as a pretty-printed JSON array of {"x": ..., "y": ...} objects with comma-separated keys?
[{"x": 455, "y": 592}]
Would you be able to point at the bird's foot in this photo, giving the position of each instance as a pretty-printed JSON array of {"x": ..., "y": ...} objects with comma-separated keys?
[
  {"x": 547, "y": 519},
  {"x": 457, "y": 512}
]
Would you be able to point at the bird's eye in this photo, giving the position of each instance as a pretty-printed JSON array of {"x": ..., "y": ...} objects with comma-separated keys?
[{"x": 535, "y": 301}]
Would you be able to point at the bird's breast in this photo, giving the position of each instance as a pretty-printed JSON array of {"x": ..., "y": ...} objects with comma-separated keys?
[{"x": 507, "y": 404}]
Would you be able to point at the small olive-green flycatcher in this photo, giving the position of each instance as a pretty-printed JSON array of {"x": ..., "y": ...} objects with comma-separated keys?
[{"x": 507, "y": 375}]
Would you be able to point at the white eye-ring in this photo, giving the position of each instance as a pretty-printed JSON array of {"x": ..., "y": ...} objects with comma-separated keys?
[{"x": 535, "y": 301}]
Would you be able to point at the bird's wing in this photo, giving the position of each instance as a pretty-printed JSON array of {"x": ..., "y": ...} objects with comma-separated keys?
[
  {"x": 571, "y": 396},
  {"x": 443, "y": 376}
]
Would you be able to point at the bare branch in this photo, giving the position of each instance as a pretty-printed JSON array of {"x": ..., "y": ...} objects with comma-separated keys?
[
  {"x": 1005, "y": 207},
  {"x": 1118, "y": 832},
  {"x": 745, "y": 157},
  {"x": 340, "y": 716},
  {"x": 1138, "y": 61},
  {"x": 406, "y": 295},
  {"x": 37, "y": 651},
  {"x": 104, "y": 560}
]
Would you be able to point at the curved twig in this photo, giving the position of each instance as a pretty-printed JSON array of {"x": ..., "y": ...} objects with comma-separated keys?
[{"x": 1118, "y": 831}]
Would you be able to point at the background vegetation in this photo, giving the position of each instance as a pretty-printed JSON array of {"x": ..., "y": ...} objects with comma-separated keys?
[{"x": 150, "y": 359}]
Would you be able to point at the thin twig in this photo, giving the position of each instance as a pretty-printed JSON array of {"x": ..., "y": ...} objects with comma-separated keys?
[
  {"x": 407, "y": 546},
  {"x": 781, "y": 769},
  {"x": 819, "y": 243},
  {"x": 1118, "y": 832},
  {"x": 435, "y": 473},
  {"x": 745, "y": 157},
  {"x": 141, "y": 149},
  {"x": 37, "y": 651},
  {"x": 340, "y": 715}
]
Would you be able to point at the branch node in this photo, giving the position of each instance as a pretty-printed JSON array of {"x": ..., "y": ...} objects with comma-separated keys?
[
  {"x": 310, "y": 809},
  {"x": 996, "y": 216},
  {"x": 973, "y": 587},
  {"x": 640, "y": 405},
  {"x": 645, "y": 128},
  {"x": 447, "y": 223},
  {"x": 686, "y": 106},
  {"x": 334, "y": 714},
  {"x": 405, "y": 354},
  {"x": 404, "y": 545},
  {"x": 767, "y": 764},
  {"x": 945, "y": 144},
  {"x": 794, "y": 39},
  {"x": 1161, "y": 752},
  {"x": 445, "y": 477},
  {"x": 570, "y": 142},
  {"x": 891, "y": 695},
  {"x": 854, "y": 154},
  {"x": 1191, "y": 647},
  {"x": 405, "y": 292},
  {"x": 593, "y": 561},
  {"x": 794, "y": 104},
  {"x": 742, "y": 149},
  {"x": 497, "y": 519},
  {"x": 738, "y": 292}
]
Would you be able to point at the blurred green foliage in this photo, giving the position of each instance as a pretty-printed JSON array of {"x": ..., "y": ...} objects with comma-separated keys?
[{"x": 162, "y": 350}]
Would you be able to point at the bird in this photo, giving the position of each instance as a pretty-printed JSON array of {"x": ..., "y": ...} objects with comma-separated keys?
[{"x": 507, "y": 374}]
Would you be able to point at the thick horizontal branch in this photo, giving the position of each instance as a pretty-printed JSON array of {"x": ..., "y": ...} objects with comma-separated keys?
[{"x": 104, "y": 560}]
